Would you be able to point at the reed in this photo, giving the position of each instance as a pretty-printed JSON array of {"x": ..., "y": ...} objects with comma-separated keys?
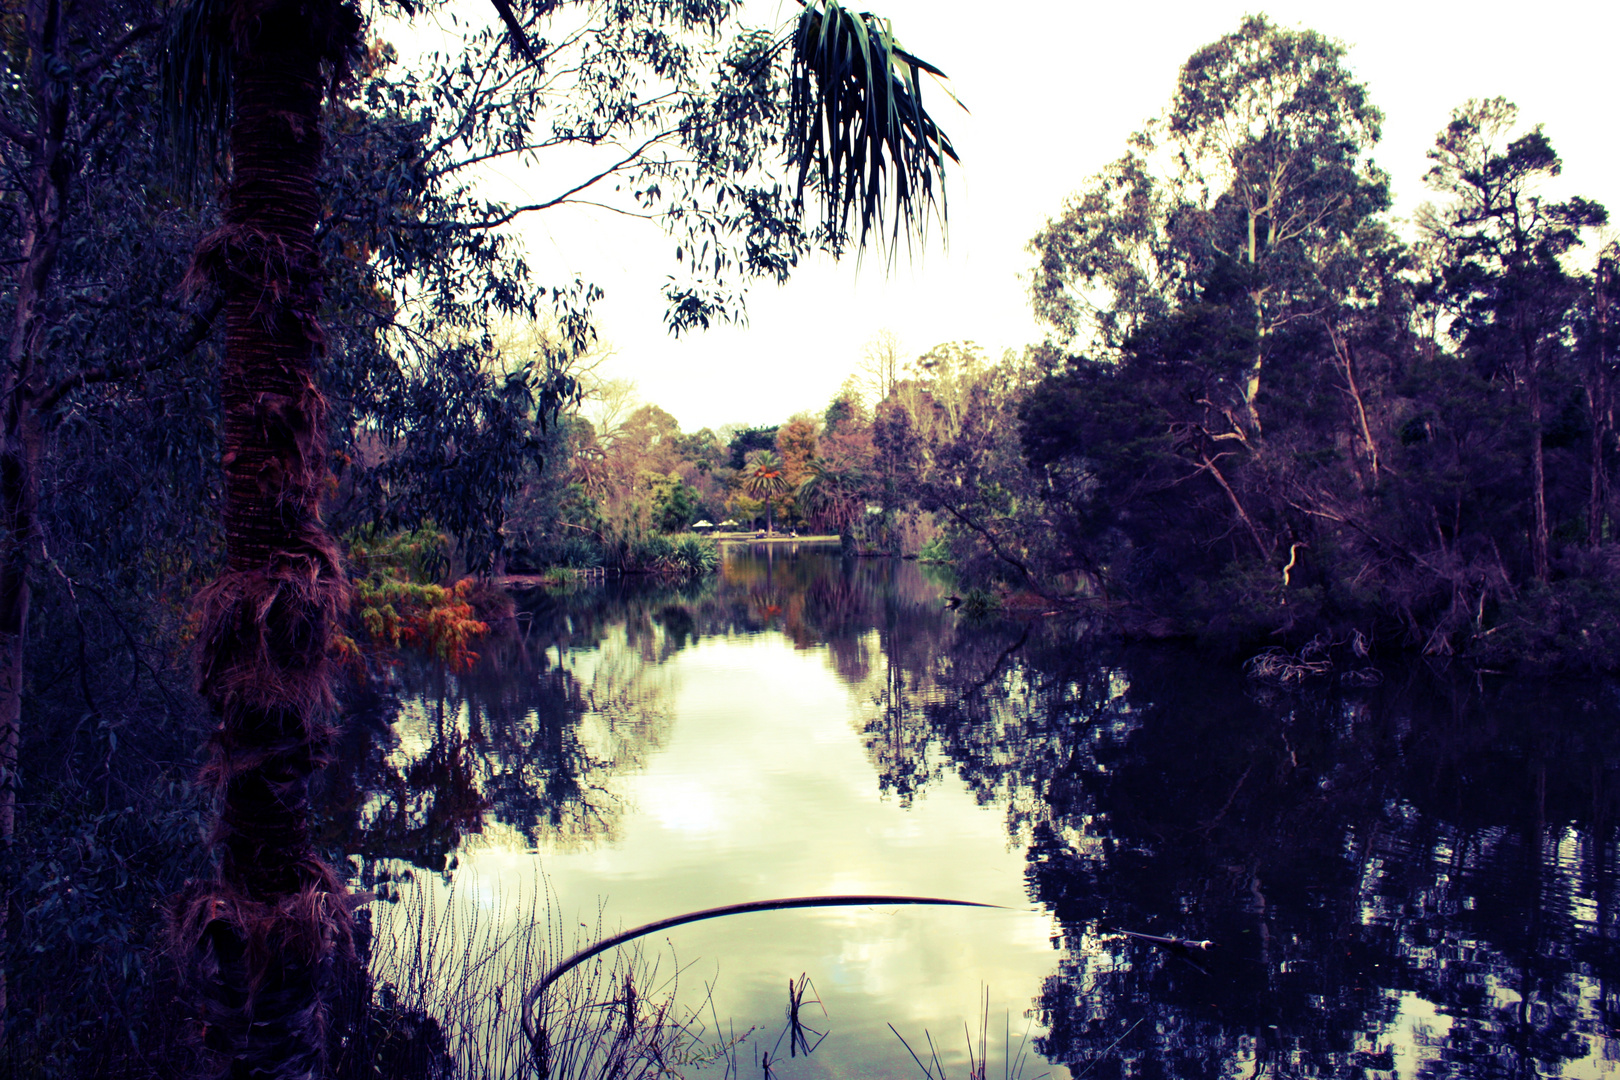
[
  {"x": 1014, "y": 1058},
  {"x": 448, "y": 973}
]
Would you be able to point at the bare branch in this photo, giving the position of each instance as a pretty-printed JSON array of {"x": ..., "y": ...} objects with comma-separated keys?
[{"x": 16, "y": 133}]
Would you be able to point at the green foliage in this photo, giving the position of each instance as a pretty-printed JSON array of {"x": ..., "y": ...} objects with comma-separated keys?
[
  {"x": 432, "y": 424},
  {"x": 88, "y": 883},
  {"x": 978, "y": 603},
  {"x": 695, "y": 555},
  {"x": 107, "y": 831},
  {"x": 857, "y": 129},
  {"x": 396, "y": 603},
  {"x": 675, "y": 503},
  {"x": 765, "y": 479},
  {"x": 1570, "y": 623},
  {"x": 1275, "y": 419},
  {"x": 419, "y": 555},
  {"x": 937, "y": 550},
  {"x": 688, "y": 555},
  {"x": 747, "y": 441}
]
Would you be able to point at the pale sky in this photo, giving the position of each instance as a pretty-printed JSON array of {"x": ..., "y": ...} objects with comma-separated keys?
[{"x": 1055, "y": 89}]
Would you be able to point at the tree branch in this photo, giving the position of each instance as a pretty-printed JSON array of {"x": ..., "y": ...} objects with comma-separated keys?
[
  {"x": 90, "y": 66},
  {"x": 194, "y": 335},
  {"x": 1207, "y": 465},
  {"x": 16, "y": 133},
  {"x": 995, "y": 547}
]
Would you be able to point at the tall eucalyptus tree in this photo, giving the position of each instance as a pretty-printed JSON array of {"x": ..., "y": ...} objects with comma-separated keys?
[
  {"x": 1512, "y": 297},
  {"x": 1256, "y": 173},
  {"x": 264, "y": 934}
]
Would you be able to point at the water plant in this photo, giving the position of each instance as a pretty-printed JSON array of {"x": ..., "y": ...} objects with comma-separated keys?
[
  {"x": 978, "y": 1056},
  {"x": 937, "y": 550},
  {"x": 439, "y": 1000},
  {"x": 977, "y": 603},
  {"x": 537, "y": 1010}
]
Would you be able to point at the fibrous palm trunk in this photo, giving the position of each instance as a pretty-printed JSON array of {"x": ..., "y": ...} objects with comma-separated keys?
[{"x": 264, "y": 933}]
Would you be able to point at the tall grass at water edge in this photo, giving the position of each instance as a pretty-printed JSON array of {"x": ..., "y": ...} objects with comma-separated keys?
[
  {"x": 448, "y": 974},
  {"x": 686, "y": 555},
  {"x": 1015, "y": 1057}
]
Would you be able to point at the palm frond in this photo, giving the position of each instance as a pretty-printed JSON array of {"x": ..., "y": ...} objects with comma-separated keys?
[
  {"x": 857, "y": 128},
  {"x": 196, "y": 88}
]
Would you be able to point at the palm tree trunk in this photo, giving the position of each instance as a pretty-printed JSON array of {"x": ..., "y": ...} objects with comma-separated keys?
[{"x": 265, "y": 932}]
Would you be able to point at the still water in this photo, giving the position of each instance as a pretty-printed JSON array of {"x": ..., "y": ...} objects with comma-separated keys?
[{"x": 1413, "y": 879}]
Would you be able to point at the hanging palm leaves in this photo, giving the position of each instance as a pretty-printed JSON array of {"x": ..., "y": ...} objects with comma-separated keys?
[{"x": 857, "y": 129}]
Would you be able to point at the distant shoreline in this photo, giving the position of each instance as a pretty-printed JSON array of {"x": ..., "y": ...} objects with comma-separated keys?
[{"x": 775, "y": 538}]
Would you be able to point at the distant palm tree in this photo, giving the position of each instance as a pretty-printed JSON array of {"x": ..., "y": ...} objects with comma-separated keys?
[
  {"x": 765, "y": 479},
  {"x": 833, "y": 495},
  {"x": 253, "y": 75}
]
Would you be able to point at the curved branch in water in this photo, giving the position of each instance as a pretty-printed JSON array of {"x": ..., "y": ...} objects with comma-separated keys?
[{"x": 536, "y": 1034}]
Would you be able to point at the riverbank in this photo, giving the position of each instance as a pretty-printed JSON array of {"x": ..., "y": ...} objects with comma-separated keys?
[{"x": 774, "y": 538}]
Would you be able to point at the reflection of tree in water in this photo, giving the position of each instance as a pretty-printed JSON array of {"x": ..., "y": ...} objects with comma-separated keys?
[
  {"x": 1348, "y": 856},
  {"x": 527, "y": 743},
  {"x": 1352, "y": 856},
  {"x": 930, "y": 661},
  {"x": 529, "y": 740}
]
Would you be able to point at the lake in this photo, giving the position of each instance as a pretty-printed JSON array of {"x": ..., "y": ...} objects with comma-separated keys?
[{"x": 1391, "y": 871}]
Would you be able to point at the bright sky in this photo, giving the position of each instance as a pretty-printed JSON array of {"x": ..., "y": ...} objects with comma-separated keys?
[{"x": 1055, "y": 89}]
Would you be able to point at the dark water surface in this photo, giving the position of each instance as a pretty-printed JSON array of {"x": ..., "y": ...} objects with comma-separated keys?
[{"x": 1415, "y": 879}]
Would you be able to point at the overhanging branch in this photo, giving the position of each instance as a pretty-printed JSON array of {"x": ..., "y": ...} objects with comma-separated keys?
[{"x": 195, "y": 334}]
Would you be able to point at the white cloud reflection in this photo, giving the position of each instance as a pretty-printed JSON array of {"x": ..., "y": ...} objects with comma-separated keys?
[{"x": 762, "y": 790}]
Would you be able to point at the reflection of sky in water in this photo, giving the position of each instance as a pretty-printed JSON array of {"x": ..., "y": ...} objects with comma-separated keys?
[
  {"x": 799, "y": 728},
  {"x": 762, "y": 790}
]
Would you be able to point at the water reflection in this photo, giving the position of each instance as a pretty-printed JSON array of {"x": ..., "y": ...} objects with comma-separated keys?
[
  {"x": 1417, "y": 879},
  {"x": 522, "y": 749},
  {"x": 1413, "y": 880}
]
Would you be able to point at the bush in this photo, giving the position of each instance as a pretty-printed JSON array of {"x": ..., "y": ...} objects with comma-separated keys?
[
  {"x": 936, "y": 550},
  {"x": 688, "y": 555}
]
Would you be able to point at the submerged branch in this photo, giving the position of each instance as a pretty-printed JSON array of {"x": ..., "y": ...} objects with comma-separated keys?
[{"x": 536, "y": 1033}]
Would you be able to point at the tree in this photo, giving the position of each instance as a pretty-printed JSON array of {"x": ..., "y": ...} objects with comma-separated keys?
[
  {"x": 796, "y": 443},
  {"x": 833, "y": 495},
  {"x": 845, "y": 410},
  {"x": 882, "y": 364},
  {"x": 648, "y": 439},
  {"x": 264, "y": 933},
  {"x": 1600, "y": 350},
  {"x": 608, "y": 403},
  {"x": 1258, "y": 171},
  {"x": 765, "y": 479},
  {"x": 746, "y": 441},
  {"x": 71, "y": 77},
  {"x": 1511, "y": 296},
  {"x": 675, "y": 503}
]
